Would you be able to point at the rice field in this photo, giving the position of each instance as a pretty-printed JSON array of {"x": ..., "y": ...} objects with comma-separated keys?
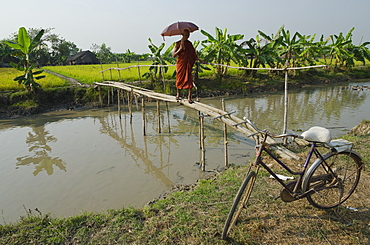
[
  {"x": 89, "y": 74},
  {"x": 7, "y": 82}
]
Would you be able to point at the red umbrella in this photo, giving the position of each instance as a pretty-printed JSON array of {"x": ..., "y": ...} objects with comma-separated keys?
[{"x": 178, "y": 27}]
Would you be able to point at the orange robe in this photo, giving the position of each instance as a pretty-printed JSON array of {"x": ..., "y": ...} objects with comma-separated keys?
[{"x": 185, "y": 61}]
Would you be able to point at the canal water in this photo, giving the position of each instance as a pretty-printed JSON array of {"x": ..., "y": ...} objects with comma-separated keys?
[{"x": 69, "y": 162}]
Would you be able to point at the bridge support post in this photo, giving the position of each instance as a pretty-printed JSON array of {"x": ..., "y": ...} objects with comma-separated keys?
[
  {"x": 130, "y": 95},
  {"x": 168, "y": 117},
  {"x": 119, "y": 102},
  {"x": 159, "y": 116},
  {"x": 202, "y": 147},
  {"x": 226, "y": 155},
  {"x": 100, "y": 99},
  {"x": 108, "y": 95},
  {"x": 143, "y": 111}
]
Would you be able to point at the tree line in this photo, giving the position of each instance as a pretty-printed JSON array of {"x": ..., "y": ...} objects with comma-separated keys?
[
  {"x": 279, "y": 50},
  {"x": 54, "y": 50},
  {"x": 283, "y": 49}
]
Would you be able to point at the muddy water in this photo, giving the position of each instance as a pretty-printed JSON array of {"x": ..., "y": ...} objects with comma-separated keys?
[{"x": 68, "y": 162}]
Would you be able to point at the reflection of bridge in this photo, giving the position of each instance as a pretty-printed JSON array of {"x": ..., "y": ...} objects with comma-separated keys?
[
  {"x": 137, "y": 152},
  {"x": 226, "y": 117}
]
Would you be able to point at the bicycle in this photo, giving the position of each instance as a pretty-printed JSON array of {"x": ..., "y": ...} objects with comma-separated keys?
[{"x": 328, "y": 182}]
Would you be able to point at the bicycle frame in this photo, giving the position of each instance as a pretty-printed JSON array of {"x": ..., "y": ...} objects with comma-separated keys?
[{"x": 297, "y": 187}]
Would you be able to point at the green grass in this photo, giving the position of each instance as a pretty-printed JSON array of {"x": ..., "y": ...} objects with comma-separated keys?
[
  {"x": 7, "y": 82},
  {"x": 89, "y": 74}
]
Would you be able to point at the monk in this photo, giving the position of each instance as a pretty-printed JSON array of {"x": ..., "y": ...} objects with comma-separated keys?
[{"x": 186, "y": 57}]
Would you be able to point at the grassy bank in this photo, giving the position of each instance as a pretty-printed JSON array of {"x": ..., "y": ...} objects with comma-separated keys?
[
  {"x": 56, "y": 96},
  {"x": 195, "y": 215},
  {"x": 23, "y": 103}
]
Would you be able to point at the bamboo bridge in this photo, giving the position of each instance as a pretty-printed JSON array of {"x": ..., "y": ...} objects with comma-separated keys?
[{"x": 226, "y": 117}]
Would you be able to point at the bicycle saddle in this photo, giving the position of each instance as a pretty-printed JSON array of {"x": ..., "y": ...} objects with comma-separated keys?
[{"x": 317, "y": 134}]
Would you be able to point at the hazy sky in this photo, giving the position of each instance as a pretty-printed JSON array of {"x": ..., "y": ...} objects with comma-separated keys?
[{"x": 123, "y": 24}]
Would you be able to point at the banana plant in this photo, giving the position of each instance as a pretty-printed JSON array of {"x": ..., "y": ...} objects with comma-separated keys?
[
  {"x": 361, "y": 52},
  {"x": 23, "y": 49},
  {"x": 339, "y": 48},
  {"x": 292, "y": 47},
  {"x": 221, "y": 49},
  {"x": 156, "y": 73},
  {"x": 262, "y": 51},
  {"x": 199, "y": 67}
]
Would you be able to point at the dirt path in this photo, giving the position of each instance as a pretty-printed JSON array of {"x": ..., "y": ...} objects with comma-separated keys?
[{"x": 74, "y": 82}]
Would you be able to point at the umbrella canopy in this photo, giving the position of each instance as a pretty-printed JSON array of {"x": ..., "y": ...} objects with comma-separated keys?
[{"x": 178, "y": 27}]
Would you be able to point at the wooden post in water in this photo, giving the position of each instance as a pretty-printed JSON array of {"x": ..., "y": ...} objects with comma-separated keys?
[
  {"x": 286, "y": 103},
  {"x": 168, "y": 117},
  {"x": 225, "y": 136},
  {"x": 159, "y": 116},
  {"x": 143, "y": 111},
  {"x": 108, "y": 100},
  {"x": 119, "y": 102},
  {"x": 100, "y": 99},
  {"x": 202, "y": 147},
  {"x": 130, "y": 94}
]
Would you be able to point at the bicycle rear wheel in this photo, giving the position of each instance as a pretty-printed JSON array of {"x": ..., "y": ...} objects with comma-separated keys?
[
  {"x": 333, "y": 180},
  {"x": 240, "y": 202}
]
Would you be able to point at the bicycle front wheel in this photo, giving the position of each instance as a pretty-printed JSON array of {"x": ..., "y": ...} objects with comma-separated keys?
[
  {"x": 332, "y": 181},
  {"x": 240, "y": 202}
]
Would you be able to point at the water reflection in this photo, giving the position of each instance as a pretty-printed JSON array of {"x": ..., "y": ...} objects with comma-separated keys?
[
  {"x": 329, "y": 106},
  {"x": 140, "y": 156},
  {"x": 37, "y": 142}
]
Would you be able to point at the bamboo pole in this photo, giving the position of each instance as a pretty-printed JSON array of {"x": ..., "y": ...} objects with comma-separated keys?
[
  {"x": 108, "y": 100},
  {"x": 138, "y": 70},
  {"x": 143, "y": 112},
  {"x": 102, "y": 73},
  {"x": 286, "y": 103},
  {"x": 226, "y": 157},
  {"x": 119, "y": 71},
  {"x": 202, "y": 147},
  {"x": 130, "y": 104},
  {"x": 119, "y": 102},
  {"x": 100, "y": 99},
  {"x": 159, "y": 116},
  {"x": 168, "y": 118}
]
